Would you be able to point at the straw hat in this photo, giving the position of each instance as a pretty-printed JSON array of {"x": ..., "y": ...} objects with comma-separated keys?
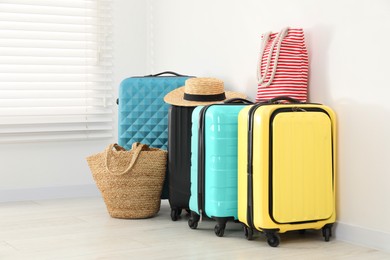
[{"x": 200, "y": 91}]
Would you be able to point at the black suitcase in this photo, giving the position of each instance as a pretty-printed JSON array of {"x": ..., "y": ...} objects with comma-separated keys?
[{"x": 179, "y": 158}]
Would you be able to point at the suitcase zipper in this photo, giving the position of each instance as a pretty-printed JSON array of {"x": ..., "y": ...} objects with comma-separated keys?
[
  {"x": 201, "y": 162},
  {"x": 249, "y": 214}
]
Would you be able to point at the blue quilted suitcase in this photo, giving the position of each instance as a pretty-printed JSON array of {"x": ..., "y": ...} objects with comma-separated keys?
[
  {"x": 142, "y": 112},
  {"x": 214, "y": 163}
]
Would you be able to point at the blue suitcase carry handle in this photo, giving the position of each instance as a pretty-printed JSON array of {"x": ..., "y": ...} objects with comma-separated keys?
[
  {"x": 157, "y": 75},
  {"x": 167, "y": 72}
]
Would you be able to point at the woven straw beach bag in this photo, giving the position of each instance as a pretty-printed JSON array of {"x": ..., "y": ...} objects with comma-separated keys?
[{"x": 130, "y": 181}]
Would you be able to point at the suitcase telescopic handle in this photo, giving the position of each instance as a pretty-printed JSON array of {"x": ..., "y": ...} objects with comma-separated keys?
[
  {"x": 238, "y": 100},
  {"x": 284, "y": 98},
  {"x": 166, "y": 73}
]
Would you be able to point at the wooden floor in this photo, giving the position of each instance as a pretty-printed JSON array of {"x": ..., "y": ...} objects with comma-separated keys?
[{"x": 81, "y": 229}]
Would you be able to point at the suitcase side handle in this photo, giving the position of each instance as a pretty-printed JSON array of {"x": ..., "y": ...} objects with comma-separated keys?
[
  {"x": 238, "y": 100},
  {"x": 166, "y": 73},
  {"x": 284, "y": 98}
]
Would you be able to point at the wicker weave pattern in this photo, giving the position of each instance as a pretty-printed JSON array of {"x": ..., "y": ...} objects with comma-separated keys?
[
  {"x": 130, "y": 193},
  {"x": 200, "y": 86},
  {"x": 204, "y": 86}
]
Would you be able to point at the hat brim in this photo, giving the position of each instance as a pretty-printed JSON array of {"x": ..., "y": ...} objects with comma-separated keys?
[{"x": 176, "y": 97}]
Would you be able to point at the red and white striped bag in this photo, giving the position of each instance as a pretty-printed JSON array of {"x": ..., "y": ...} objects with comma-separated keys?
[{"x": 283, "y": 65}]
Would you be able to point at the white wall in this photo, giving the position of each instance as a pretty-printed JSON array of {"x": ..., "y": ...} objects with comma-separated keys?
[
  {"x": 347, "y": 42},
  {"x": 59, "y": 169},
  {"x": 348, "y": 46}
]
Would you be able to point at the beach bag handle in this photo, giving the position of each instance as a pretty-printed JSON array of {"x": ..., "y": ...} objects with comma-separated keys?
[
  {"x": 276, "y": 41},
  {"x": 136, "y": 149}
]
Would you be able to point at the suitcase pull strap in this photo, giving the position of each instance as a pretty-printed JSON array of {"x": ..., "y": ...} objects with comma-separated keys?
[
  {"x": 166, "y": 72},
  {"x": 284, "y": 98},
  {"x": 136, "y": 149},
  {"x": 238, "y": 100}
]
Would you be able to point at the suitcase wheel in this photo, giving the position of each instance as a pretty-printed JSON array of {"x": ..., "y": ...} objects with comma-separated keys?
[
  {"x": 193, "y": 220},
  {"x": 248, "y": 233},
  {"x": 175, "y": 213},
  {"x": 219, "y": 229},
  {"x": 272, "y": 238},
  {"x": 327, "y": 232}
]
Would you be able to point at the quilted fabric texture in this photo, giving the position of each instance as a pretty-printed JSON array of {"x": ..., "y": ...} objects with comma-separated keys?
[{"x": 143, "y": 114}]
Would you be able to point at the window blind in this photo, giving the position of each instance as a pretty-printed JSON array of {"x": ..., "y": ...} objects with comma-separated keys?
[{"x": 55, "y": 70}]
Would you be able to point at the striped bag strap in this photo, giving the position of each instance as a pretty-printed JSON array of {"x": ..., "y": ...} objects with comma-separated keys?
[{"x": 277, "y": 40}]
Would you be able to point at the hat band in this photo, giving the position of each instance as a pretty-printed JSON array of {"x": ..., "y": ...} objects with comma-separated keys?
[{"x": 205, "y": 98}]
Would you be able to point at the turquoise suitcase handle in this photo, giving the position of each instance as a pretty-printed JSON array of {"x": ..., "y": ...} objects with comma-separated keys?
[{"x": 238, "y": 100}]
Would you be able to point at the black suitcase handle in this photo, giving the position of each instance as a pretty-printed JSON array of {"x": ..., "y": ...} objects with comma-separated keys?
[
  {"x": 237, "y": 100},
  {"x": 284, "y": 98},
  {"x": 166, "y": 73}
]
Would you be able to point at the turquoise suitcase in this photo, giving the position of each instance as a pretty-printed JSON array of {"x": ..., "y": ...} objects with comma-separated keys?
[
  {"x": 142, "y": 112},
  {"x": 214, "y": 164}
]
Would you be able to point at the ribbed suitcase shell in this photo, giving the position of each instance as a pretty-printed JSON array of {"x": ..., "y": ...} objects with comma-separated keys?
[
  {"x": 219, "y": 192},
  {"x": 143, "y": 114},
  {"x": 179, "y": 158},
  {"x": 289, "y": 181}
]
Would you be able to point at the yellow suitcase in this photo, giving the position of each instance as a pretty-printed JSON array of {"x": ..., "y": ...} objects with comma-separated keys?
[{"x": 286, "y": 168}]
